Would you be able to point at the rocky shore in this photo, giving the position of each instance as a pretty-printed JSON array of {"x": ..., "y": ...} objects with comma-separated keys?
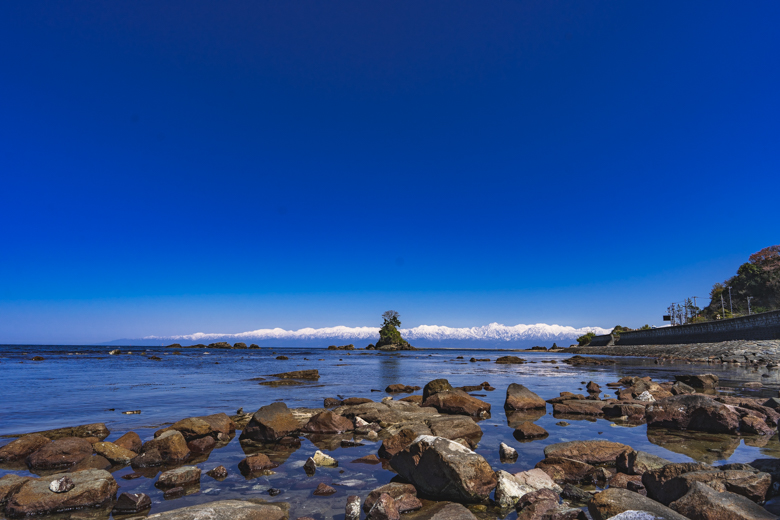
[
  {"x": 429, "y": 443},
  {"x": 745, "y": 352}
]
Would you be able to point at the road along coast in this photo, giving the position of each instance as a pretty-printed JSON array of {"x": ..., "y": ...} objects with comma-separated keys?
[{"x": 743, "y": 352}]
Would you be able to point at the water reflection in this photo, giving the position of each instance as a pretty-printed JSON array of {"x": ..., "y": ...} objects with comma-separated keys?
[{"x": 700, "y": 446}]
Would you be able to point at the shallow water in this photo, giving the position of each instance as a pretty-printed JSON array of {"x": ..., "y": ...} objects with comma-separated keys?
[{"x": 80, "y": 385}]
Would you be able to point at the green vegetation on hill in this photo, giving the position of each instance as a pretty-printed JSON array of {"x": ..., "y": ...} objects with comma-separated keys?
[
  {"x": 759, "y": 279},
  {"x": 388, "y": 334}
]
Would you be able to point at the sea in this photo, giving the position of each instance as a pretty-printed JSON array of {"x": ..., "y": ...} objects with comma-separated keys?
[{"x": 74, "y": 385}]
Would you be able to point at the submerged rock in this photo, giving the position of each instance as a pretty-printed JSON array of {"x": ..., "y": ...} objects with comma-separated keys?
[
  {"x": 312, "y": 375},
  {"x": 529, "y": 431}
]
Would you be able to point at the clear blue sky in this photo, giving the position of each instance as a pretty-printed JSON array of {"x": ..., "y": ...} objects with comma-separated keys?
[{"x": 174, "y": 167}]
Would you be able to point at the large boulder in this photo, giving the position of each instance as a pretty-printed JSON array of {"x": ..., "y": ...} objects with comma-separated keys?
[
  {"x": 225, "y": 510},
  {"x": 693, "y": 412},
  {"x": 614, "y": 501},
  {"x": 698, "y": 381},
  {"x": 92, "y": 488},
  {"x": 168, "y": 448},
  {"x": 59, "y": 454},
  {"x": 113, "y": 453},
  {"x": 561, "y": 470},
  {"x": 519, "y": 397},
  {"x": 457, "y": 402},
  {"x": 457, "y": 427},
  {"x": 196, "y": 427},
  {"x": 23, "y": 447},
  {"x": 183, "y": 476},
  {"x": 675, "y": 480},
  {"x": 590, "y": 452},
  {"x": 436, "y": 386},
  {"x": 328, "y": 422},
  {"x": 270, "y": 423},
  {"x": 130, "y": 441},
  {"x": 636, "y": 462},
  {"x": 702, "y": 502},
  {"x": 445, "y": 470}
]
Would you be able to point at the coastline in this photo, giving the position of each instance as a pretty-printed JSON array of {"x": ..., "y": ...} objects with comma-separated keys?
[{"x": 751, "y": 352}]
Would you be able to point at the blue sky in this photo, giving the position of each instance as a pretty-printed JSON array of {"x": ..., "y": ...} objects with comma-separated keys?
[{"x": 174, "y": 167}]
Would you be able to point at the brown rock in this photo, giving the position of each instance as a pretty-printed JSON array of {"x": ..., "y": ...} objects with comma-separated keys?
[
  {"x": 413, "y": 399},
  {"x": 396, "y": 443},
  {"x": 10, "y": 484},
  {"x": 368, "y": 459},
  {"x": 408, "y": 502},
  {"x": 621, "y": 480},
  {"x": 183, "y": 476},
  {"x": 226, "y": 510},
  {"x": 23, "y": 447},
  {"x": 324, "y": 490},
  {"x": 59, "y": 454},
  {"x": 202, "y": 445},
  {"x": 529, "y": 430},
  {"x": 132, "y": 503},
  {"x": 384, "y": 508},
  {"x": 170, "y": 447},
  {"x": 400, "y": 389},
  {"x": 98, "y": 430},
  {"x": 92, "y": 488},
  {"x": 434, "y": 387},
  {"x": 692, "y": 412},
  {"x": 113, "y": 453},
  {"x": 130, "y": 441},
  {"x": 704, "y": 503},
  {"x": 752, "y": 424},
  {"x": 593, "y": 388},
  {"x": 393, "y": 489},
  {"x": 614, "y": 501},
  {"x": 255, "y": 464},
  {"x": 591, "y": 452},
  {"x": 674, "y": 480},
  {"x": 638, "y": 462},
  {"x": 457, "y": 402},
  {"x": 699, "y": 381},
  {"x": 218, "y": 473},
  {"x": 328, "y": 422},
  {"x": 510, "y": 360},
  {"x": 331, "y": 402},
  {"x": 312, "y": 375},
  {"x": 562, "y": 469},
  {"x": 443, "y": 511},
  {"x": 270, "y": 423},
  {"x": 196, "y": 427},
  {"x": 518, "y": 397},
  {"x": 579, "y": 407}
]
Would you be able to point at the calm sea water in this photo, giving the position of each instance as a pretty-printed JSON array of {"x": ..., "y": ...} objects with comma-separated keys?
[{"x": 80, "y": 385}]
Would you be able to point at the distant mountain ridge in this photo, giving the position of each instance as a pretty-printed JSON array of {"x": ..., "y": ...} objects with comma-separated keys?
[{"x": 494, "y": 335}]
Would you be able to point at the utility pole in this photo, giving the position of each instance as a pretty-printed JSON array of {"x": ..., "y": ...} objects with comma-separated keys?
[
  {"x": 731, "y": 306},
  {"x": 749, "y": 298},
  {"x": 722, "y": 305}
]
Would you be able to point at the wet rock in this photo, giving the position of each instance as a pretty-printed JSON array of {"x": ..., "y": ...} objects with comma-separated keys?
[
  {"x": 310, "y": 467},
  {"x": 196, "y": 427},
  {"x": 436, "y": 386},
  {"x": 130, "y": 441},
  {"x": 457, "y": 402},
  {"x": 202, "y": 445},
  {"x": 98, "y": 430},
  {"x": 352, "y": 509},
  {"x": 407, "y": 503},
  {"x": 680, "y": 388},
  {"x": 508, "y": 490},
  {"x": 61, "y": 485},
  {"x": 561, "y": 469},
  {"x": 614, "y": 501},
  {"x": 537, "y": 505},
  {"x": 752, "y": 424},
  {"x": 579, "y": 407},
  {"x": 443, "y": 511},
  {"x": 624, "y": 409},
  {"x": 703, "y": 502},
  {"x": 324, "y": 490},
  {"x": 168, "y": 448},
  {"x": 418, "y": 399},
  {"x": 593, "y": 388},
  {"x": 394, "y": 490},
  {"x": 453, "y": 427},
  {"x": 270, "y": 423},
  {"x": 255, "y": 464},
  {"x": 328, "y": 422},
  {"x": 674, "y": 480},
  {"x": 528, "y": 431},
  {"x": 174, "y": 492},
  {"x": 692, "y": 412},
  {"x": 518, "y": 397},
  {"x": 575, "y": 494},
  {"x": 225, "y": 510},
  {"x": 635, "y": 462},
  {"x": 92, "y": 488},
  {"x": 10, "y": 484},
  {"x": 282, "y": 358},
  {"x": 331, "y": 402},
  {"x": 591, "y": 452},
  {"x": 311, "y": 375},
  {"x": 115, "y": 454},
  {"x": 320, "y": 459},
  {"x": 507, "y": 453},
  {"x": 445, "y": 470},
  {"x": 23, "y": 447},
  {"x": 384, "y": 508},
  {"x": 396, "y": 443},
  {"x": 699, "y": 381},
  {"x": 218, "y": 473},
  {"x": 132, "y": 503},
  {"x": 183, "y": 476},
  {"x": 510, "y": 360},
  {"x": 60, "y": 453},
  {"x": 352, "y": 401},
  {"x": 399, "y": 389},
  {"x": 368, "y": 459}
]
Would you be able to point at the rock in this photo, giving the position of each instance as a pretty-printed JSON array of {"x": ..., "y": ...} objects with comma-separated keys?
[
  {"x": 324, "y": 490},
  {"x": 413, "y": 399},
  {"x": 704, "y": 503},
  {"x": 645, "y": 396},
  {"x": 445, "y": 511},
  {"x": 94, "y": 462},
  {"x": 692, "y": 412},
  {"x": 561, "y": 469},
  {"x": 114, "y": 352},
  {"x": 255, "y": 464},
  {"x": 384, "y": 509},
  {"x": 270, "y": 423},
  {"x": 636, "y": 515},
  {"x": 507, "y": 453},
  {"x": 593, "y": 388},
  {"x": 174, "y": 492},
  {"x": 352, "y": 509},
  {"x": 407, "y": 503},
  {"x": 218, "y": 473},
  {"x": 98, "y": 430},
  {"x": 10, "y": 484},
  {"x": 196, "y": 427},
  {"x": 61, "y": 485},
  {"x": 621, "y": 480},
  {"x": 23, "y": 447},
  {"x": 529, "y": 430},
  {"x": 674, "y": 480},
  {"x": 434, "y": 387},
  {"x": 132, "y": 503},
  {"x": 638, "y": 462},
  {"x": 519, "y": 397},
  {"x": 614, "y": 501},
  {"x": 312, "y": 375},
  {"x": 59, "y": 454},
  {"x": 168, "y": 448},
  {"x": 580, "y": 407},
  {"x": 130, "y": 441},
  {"x": 225, "y": 510},
  {"x": 113, "y": 453},
  {"x": 680, "y": 388},
  {"x": 310, "y": 467},
  {"x": 445, "y": 470},
  {"x": 396, "y": 443},
  {"x": 453, "y": 427},
  {"x": 536, "y": 479},
  {"x": 183, "y": 476},
  {"x": 509, "y": 360},
  {"x": 401, "y": 389},
  {"x": 91, "y": 488},
  {"x": 656, "y": 481},
  {"x": 202, "y": 445},
  {"x": 752, "y": 424},
  {"x": 508, "y": 490},
  {"x": 699, "y": 381},
  {"x": 330, "y": 402},
  {"x": 320, "y": 459},
  {"x": 393, "y": 489},
  {"x": 457, "y": 402},
  {"x": 328, "y": 422},
  {"x": 368, "y": 459},
  {"x": 575, "y": 494},
  {"x": 591, "y": 452},
  {"x": 537, "y": 505},
  {"x": 352, "y": 401}
]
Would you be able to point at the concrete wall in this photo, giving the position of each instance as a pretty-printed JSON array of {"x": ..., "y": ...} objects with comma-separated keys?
[
  {"x": 601, "y": 341},
  {"x": 758, "y": 326}
]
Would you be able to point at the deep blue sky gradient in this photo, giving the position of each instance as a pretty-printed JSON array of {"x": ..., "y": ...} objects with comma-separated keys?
[{"x": 173, "y": 167}]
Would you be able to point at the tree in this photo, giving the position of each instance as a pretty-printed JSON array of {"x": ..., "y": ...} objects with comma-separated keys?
[
  {"x": 389, "y": 334},
  {"x": 391, "y": 318},
  {"x": 585, "y": 338}
]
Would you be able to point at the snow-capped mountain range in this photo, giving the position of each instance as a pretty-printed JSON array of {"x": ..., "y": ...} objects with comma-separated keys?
[{"x": 493, "y": 335}]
